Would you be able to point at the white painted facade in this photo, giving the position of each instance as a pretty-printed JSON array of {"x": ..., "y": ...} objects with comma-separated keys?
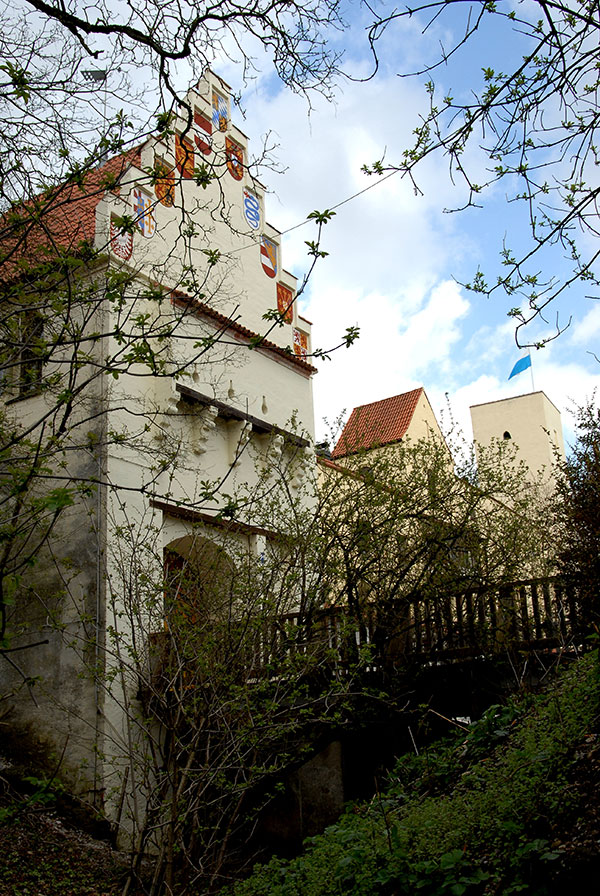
[
  {"x": 224, "y": 406},
  {"x": 233, "y": 411},
  {"x": 530, "y": 422}
]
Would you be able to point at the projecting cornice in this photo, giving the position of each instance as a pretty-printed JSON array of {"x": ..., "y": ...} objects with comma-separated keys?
[{"x": 229, "y": 412}]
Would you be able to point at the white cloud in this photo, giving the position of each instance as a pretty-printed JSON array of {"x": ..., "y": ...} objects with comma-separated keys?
[
  {"x": 587, "y": 328},
  {"x": 388, "y": 232},
  {"x": 396, "y": 350},
  {"x": 431, "y": 333},
  {"x": 568, "y": 386},
  {"x": 393, "y": 254}
]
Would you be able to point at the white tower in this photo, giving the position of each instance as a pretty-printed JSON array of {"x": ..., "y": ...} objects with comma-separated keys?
[{"x": 531, "y": 421}]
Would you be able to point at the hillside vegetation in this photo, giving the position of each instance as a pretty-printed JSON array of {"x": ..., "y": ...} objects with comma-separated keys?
[
  {"x": 494, "y": 810},
  {"x": 511, "y": 805}
]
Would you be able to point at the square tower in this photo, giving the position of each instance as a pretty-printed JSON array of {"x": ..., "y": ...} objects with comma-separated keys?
[{"x": 531, "y": 421}]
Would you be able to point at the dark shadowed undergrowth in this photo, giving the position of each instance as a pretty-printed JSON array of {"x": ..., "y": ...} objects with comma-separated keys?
[
  {"x": 482, "y": 813},
  {"x": 512, "y": 805}
]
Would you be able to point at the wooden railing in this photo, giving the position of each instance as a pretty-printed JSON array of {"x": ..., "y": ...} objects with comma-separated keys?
[
  {"x": 525, "y": 615},
  {"x": 533, "y": 614},
  {"x": 529, "y": 614}
]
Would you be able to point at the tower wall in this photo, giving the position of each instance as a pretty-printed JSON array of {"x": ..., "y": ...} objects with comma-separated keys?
[{"x": 531, "y": 421}]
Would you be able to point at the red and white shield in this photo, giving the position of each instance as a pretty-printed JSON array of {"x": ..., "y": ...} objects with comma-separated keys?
[
  {"x": 268, "y": 256},
  {"x": 234, "y": 154},
  {"x": 203, "y": 135},
  {"x": 121, "y": 242}
]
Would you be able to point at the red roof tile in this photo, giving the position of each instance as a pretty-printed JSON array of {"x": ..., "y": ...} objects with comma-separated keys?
[
  {"x": 47, "y": 227},
  {"x": 378, "y": 423},
  {"x": 58, "y": 221}
]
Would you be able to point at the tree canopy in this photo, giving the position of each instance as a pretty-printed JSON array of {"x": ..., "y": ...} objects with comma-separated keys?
[
  {"x": 579, "y": 492},
  {"x": 533, "y": 117}
]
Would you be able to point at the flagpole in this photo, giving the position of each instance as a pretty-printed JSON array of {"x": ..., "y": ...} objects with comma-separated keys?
[{"x": 531, "y": 368}]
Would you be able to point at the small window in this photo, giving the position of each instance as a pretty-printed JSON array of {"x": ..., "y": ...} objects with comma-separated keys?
[{"x": 507, "y": 435}]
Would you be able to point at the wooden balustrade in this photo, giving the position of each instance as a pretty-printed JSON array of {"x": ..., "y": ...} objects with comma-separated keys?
[
  {"x": 533, "y": 614},
  {"x": 525, "y": 615}
]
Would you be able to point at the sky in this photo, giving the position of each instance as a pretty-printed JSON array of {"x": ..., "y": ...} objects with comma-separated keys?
[{"x": 396, "y": 258}]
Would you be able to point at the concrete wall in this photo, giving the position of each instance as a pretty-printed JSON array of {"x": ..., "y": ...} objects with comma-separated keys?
[
  {"x": 49, "y": 688},
  {"x": 313, "y": 798}
]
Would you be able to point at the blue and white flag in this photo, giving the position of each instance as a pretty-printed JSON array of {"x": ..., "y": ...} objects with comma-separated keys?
[{"x": 521, "y": 365}]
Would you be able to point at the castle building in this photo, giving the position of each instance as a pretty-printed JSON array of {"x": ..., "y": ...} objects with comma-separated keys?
[
  {"x": 531, "y": 422},
  {"x": 383, "y": 423},
  {"x": 175, "y": 373}
]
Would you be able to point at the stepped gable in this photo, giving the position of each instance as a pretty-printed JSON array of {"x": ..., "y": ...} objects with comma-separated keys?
[{"x": 379, "y": 423}]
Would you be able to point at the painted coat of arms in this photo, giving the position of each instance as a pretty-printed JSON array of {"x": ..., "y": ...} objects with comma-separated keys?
[
  {"x": 121, "y": 242},
  {"x": 268, "y": 256},
  {"x": 164, "y": 185},
  {"x": 219, "y": 111},
  {"x": 300, "y": 344},
  {"x": 203, "y": 136},
  {"x": 144, "y": 212},
  {"x": 184, "y": 156},
  {"x": 234, "y": 154},
  {"x": 251, "y": 210},
  {"x": 285, "y": 303}
]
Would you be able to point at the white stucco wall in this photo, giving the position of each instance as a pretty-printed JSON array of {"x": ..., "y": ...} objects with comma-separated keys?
[
  {"x": 203, "y": 218},
  {"x": 532, "y": 423},
  {"x": 177, "y": 450},
  {"x": 424, "y": 424}
]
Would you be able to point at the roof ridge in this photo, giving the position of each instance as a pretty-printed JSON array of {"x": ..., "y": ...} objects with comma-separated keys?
[{"x": 390, "y": 398}]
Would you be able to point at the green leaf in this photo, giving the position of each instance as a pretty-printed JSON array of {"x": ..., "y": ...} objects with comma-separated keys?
[{"x": 58, "y": 499}]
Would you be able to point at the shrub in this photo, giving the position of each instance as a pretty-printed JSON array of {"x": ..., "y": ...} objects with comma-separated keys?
[{"x": 489, "y": 833}]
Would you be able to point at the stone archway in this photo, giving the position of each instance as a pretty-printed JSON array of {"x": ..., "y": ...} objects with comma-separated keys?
[{"x": 199, "y": 582}]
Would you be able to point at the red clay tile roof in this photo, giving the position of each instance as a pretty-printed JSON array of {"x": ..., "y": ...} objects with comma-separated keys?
[
  {"x": 378, "y": 423},
  {"x": 59, "y": 221},
  {"x": 44, "y": 228}
]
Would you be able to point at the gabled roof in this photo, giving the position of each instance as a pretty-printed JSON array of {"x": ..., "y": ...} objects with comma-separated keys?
[
  {"x": 60, "y": 220},
  {"x": 378, "y": 423}
]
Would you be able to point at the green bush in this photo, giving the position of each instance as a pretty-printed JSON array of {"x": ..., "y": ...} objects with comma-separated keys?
[{"x": 475, "y": 816}]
